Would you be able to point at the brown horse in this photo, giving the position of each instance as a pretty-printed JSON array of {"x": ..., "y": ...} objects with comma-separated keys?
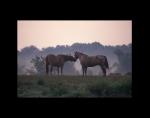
[
  {"x": 57, "y": 61},
  {"x": 90, "y": 61}
]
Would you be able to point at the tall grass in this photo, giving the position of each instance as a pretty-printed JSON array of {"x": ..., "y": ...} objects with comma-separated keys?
[{"x": 74, "y": 86}]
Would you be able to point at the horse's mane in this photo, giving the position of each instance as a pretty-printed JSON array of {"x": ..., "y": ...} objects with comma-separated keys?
[
  {"x": 82, "y": 53},
  {"x": 63, "y": 55}
]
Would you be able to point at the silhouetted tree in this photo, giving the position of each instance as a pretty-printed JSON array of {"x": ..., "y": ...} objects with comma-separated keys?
[
  {"x": 21, "y": 69},
  {"x": 39, "y": 64},
  {"x": 30, "y": 71},
  {"x": 125, "y": 61},
  {"x": 115, "y": 67}
]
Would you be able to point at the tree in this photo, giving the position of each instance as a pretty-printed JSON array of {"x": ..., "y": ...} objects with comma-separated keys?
[
  {"x": 125, "y": 61},
  {"x": 21, "y": 69},
  {"x": 39, "y": 64},
  {"x": 115, "y": 67},
  {"x": 30, "y": 71}
]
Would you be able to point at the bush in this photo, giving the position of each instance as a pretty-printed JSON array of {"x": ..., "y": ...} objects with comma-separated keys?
[
  {"x": 40, "y": 82},
  {"x": 74, "y": 86}
]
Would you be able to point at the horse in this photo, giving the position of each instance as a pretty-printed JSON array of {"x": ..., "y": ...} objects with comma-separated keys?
[
  {"x": 90, "y": 61},
  {"x": 57, "y": 61}
]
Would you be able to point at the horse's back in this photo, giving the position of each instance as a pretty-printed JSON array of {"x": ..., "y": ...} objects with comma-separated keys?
[
  {"x": 60, "y": 58},
  {"x": 88, "y": 61},
  {"x": 51, "y": 58},
  {"x": 101, "y": 57},
  {"x": 104, "y": 59}
]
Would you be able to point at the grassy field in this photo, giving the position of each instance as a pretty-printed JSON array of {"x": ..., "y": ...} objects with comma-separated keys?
[{"x": 74, "y": 86}]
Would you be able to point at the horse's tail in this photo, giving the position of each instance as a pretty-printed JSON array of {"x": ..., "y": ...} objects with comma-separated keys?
[{"x": 106, "y": 63}]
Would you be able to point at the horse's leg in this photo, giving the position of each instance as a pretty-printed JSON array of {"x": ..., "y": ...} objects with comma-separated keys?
[
  {"x": 85, "y": 70},
  {"x": 61, "y": 70},
  {"x": 104, "y": 70},
  {"x": 58, "y": 70},
  {"x": 47, "y": 69},
  {"x": 51, "y": 69}
]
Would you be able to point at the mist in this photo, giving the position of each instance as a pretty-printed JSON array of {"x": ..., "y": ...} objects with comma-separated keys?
[{"x": 118, "y": 62}]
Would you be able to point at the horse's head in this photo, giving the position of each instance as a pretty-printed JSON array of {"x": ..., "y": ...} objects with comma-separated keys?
[
  {"x": 70, "y": 58},
  {"x": 76, "y": 55}
]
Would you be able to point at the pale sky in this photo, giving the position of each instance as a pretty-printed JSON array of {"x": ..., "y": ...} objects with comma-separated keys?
[{"x": 47, "y": 33}]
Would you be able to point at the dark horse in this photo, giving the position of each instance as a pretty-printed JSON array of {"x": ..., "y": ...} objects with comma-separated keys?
[
  {"x": 90, "y": 61},
  {"x": 57, "y": 61}
]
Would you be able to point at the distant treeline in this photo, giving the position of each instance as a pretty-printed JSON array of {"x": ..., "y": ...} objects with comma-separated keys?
[{"x": 119, "y": 58}]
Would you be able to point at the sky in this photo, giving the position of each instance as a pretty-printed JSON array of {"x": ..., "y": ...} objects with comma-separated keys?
[{"x": 45, "y": 33}]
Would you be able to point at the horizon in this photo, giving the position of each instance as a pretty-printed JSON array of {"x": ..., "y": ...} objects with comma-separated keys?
[
  {"x": 44, "y": 34},
  {"x": 71, "y": 45}
]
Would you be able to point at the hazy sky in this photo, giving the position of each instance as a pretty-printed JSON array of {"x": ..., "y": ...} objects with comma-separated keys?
[{"x": 51, "y": 33}]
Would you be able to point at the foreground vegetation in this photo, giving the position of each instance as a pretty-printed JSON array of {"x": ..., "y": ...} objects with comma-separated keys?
[{"x": 74, "y": 86}]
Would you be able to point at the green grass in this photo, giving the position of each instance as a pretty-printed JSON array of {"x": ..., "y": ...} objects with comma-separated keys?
[{"x": 74, "y": 86}]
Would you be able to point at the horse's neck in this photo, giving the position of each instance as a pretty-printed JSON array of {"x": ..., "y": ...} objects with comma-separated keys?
[
  {"x": 83, "y": 56},
  {"x": 65, "y": 58}
]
